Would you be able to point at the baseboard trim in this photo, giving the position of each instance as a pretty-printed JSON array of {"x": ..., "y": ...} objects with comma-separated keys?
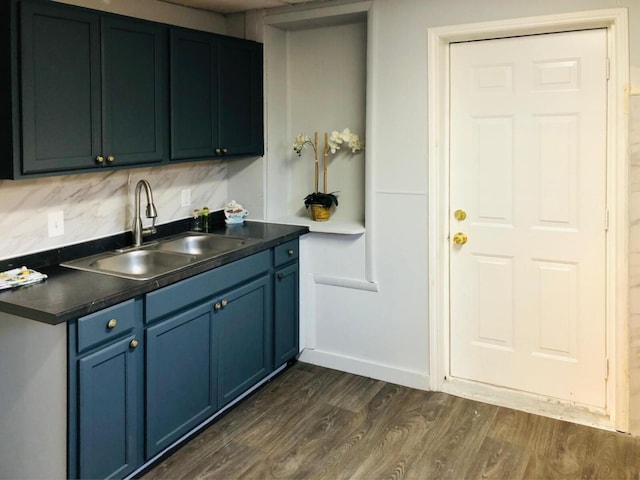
[
  {"x": 527, "y": 402},
  {"x": 366, "y": 368}
]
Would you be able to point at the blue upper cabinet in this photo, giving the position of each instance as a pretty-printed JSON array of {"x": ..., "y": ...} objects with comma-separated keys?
[
  {"x": 61, "y": 106},
  {"x": 216, "y": 96},
  {"x": 240, "y": 96},
  {"x": 86, "y": 90},
  {"x": 194, "y": 99},
  {"x": 93, "y": 90},
  {"x": 134, "y": 78}
]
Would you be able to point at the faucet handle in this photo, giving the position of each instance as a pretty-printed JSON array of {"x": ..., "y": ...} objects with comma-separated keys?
[{"x": 150, "y": 230}]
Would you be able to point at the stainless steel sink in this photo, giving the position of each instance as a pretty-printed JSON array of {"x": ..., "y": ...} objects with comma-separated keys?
[
  {"x": 162, "y": 257},
  {"x": 142, "y": 264},
  {"x": 208, "y": 245}
]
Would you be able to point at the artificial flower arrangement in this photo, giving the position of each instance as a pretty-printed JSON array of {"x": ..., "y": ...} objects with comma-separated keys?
[{"x": 325, "y": 200}]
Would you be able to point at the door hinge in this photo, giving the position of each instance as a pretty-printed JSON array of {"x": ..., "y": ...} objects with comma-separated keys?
[
  {"x": 606, "y": 220},
  {"x": 608, "y": 67},
  {"x": 606, "y": 368}
]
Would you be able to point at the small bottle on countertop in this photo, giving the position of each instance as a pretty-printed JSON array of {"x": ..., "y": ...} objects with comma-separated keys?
[
  {"x": 196, "y": 221},
  {"x": 205, "y": 219}
]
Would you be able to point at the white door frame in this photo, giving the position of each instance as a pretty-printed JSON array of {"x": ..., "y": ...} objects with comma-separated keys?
[{"x": 617, "y": 284}]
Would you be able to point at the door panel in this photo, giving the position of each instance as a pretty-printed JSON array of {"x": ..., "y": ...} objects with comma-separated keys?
[
  {"x": 194, "y": 103},
  {"x": 60, "y": 65},
  {"x": 181, "y": 386},
  {"x": 135, "y": 127},
  {"x": 528, "y": 164}
]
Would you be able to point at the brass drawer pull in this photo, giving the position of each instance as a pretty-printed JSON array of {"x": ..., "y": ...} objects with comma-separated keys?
[{"x": 111, "y": 324}]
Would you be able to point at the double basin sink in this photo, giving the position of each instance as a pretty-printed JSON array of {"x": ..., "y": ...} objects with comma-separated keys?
[{"x": 164, "y": 256}]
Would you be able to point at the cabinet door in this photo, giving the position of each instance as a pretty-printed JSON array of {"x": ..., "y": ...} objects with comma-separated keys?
[
  {"x": 181, "y": 383},
  {"x": 240, "y": 97},
  {"x": 242, "y": 321},
  {"x": 286, "y": 325},
  {"x": 60, "y": 87},
  {"x": 135, "y": 120},
  {"x": 194, "y": 103},
  {"x": 109, "y": 422}
]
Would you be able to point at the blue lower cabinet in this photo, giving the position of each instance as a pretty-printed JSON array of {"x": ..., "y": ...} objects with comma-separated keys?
[
  {"x": 286, "y": 307},
  {"x": 243, "y": 327},
  {"x": 180, "y": 376},
  {"x": 109, "y": 424},
  {"x": 105, "y": 420},
  {"x": 147, "y": 371}
]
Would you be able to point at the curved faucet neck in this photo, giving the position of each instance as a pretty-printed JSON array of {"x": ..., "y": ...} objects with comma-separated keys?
[{"x": 151, "y": 212}]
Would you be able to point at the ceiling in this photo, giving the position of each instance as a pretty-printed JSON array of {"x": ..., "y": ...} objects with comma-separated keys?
[{"x": 234, "y": 6}]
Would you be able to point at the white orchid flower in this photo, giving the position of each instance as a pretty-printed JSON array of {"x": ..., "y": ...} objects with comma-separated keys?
[
  {"x": 355, "y": 144},
  {"x": 345, "y": 135},
  {"x": 300, "y": 142},
  {"x": 335, "y": 140}
]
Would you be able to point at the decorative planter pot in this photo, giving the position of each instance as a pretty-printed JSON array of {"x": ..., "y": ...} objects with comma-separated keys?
[{"x": 319, "y": 213}]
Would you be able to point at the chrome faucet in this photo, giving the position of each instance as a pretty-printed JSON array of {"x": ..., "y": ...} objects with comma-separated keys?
[{"x": 151, "y": 212}]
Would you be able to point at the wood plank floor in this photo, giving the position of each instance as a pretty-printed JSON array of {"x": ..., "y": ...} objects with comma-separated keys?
[{"x": 316, "y": 423}]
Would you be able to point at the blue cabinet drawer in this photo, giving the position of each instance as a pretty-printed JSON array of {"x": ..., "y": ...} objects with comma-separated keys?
[
  {"x": 286, "y": 253},
  {"x": 106, "y": 324},
  {"x": 167, "y": 300}
]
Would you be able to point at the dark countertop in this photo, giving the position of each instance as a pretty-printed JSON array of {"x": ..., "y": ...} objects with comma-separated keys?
[{"x": 69, "y": 293}]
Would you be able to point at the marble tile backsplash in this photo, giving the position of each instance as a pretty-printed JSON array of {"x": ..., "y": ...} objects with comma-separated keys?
[{"x": 96, "y": 205}]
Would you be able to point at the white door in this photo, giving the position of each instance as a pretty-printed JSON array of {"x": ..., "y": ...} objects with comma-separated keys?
[{"x": 528, "y": 160}]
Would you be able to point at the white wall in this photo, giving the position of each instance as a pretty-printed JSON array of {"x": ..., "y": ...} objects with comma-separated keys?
[
  {"x": 33, "y": 399},
  {"x": 384, "y": 334}
]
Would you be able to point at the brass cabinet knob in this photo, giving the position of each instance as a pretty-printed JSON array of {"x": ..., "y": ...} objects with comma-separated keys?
[
  {"x": 460, "y": 215},
  {"x": 224, "y": 150},
  {"x": 290, "y": 252},
  {"x": 100, "y": 159},
  {"x": 224, "y": 303},
  {"x": 217, "y": 306},
  {"x": 111, "y": 159},
  {"x": 218, "y": 151},
  {"x": 459, "y": 238},
  {"x": 112, "y": 323},
  {"x": 134, "y": 343}
]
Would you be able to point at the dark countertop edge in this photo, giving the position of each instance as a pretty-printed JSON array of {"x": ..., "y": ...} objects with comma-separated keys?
[{"x": 133, "y": 288}]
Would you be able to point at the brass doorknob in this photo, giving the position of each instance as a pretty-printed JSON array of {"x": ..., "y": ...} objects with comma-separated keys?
[
  {"x": 459, "y": 238},
  {"x": 460, "y": 215}
]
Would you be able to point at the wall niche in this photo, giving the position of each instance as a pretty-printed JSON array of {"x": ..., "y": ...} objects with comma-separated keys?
[{"x": 316, "y": 80}]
